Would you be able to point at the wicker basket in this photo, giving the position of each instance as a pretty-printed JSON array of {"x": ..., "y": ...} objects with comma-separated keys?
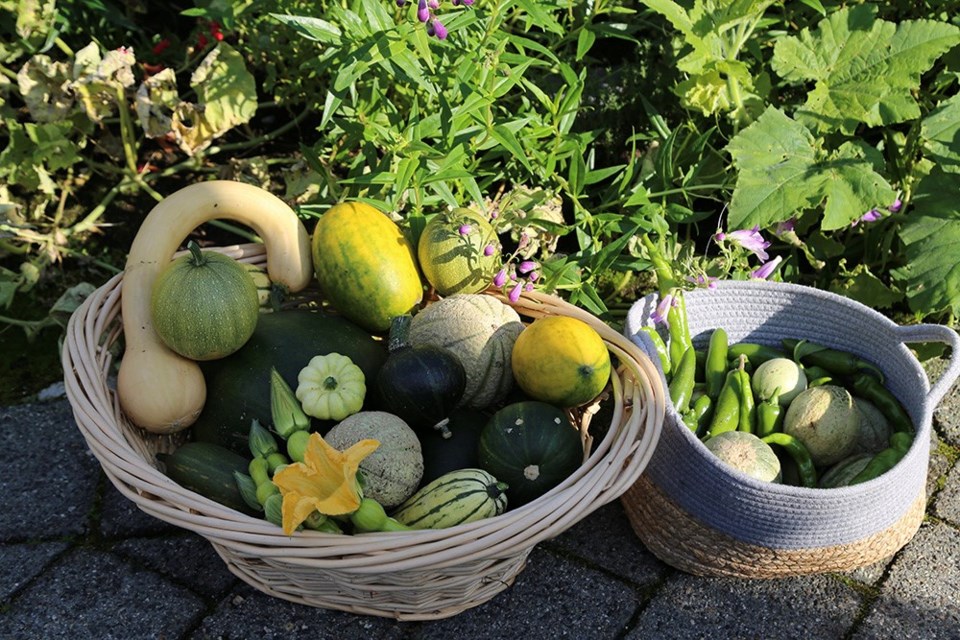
[
  {"x": 700, "y": 515},
  {"x": 409, "y": 575}
]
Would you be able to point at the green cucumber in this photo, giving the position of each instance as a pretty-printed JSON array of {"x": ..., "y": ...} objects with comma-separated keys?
[{"x": 208, "y": 469}]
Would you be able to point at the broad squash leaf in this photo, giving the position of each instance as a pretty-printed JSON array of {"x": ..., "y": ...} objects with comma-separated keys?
[
  {"x": 864, "y": 69},
  {"x": 941, "y": 133},
  {"x": 931, "y": 238},
  {"x": 851, "y": 187}
]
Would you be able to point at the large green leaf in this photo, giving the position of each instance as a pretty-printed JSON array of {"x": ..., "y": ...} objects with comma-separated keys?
[
  {"x": 941, "y": 132},
  {"x": 777, "y": 162},
  {"x": 864, "y": 69},
  {"x": 931, "y": 237},
  {"x": 851, "y": 187}
]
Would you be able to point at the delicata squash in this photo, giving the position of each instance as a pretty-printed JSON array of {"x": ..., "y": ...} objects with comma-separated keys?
[{"x": 159, "y": 390}]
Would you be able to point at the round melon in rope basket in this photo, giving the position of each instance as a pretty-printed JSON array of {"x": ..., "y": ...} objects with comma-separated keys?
[{"x": 424, "y": 574}]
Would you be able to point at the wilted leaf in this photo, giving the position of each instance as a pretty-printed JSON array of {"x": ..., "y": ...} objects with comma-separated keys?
[
  {"x": 97, "y": 80},
  {"x": 45, "y": 88},
  {"x": 67, "y": 303},
  {"x": 226, "y": 96},
  {"x": 34, "y": 18},
  {"x": 157, "y": 99}
]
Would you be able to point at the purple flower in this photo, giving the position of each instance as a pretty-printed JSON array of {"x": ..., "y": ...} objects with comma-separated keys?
[
  {"x": 433, "y": 4},
  {"x": 534, "y": 276},
  {"x": 528, "y": 286},
  {"x": 749, "y": 239},
  {"x": 439, "y": 30},
  {"x": 527, "y": 266},
  {"x": 896, "y": 206},
  {"x": 870, "y": 216},
  {"x": 401, "y": 3},
  {"x": 467, "y": 2},
  {"x": 488, "y": 250},
  {"x": 423, "y": 13},
  {"x": 500, "y": 278},
  {"x": 464, "y": 229},
  {"x": 515, "y": 292},
  {"x": 703, "y": 280},
  {"x": 766, "y": 269},
  {"x": 659, "y": 315},
  {"x": 784, "y": 227}
]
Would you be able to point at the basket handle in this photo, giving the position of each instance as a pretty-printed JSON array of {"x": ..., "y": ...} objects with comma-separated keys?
[{"x": 936, "y": 333}]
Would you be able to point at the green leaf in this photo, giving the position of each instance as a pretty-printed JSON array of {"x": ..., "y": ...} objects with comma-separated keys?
[
  {"x": 862, "y": 286},
  {"x": 584, "y": 42},
  {"x": 931, "y": 238},
  {"x": 851, "y": 187},
  {"x": 777, "y": 162},
  {"x": 314, "y": 29},
  {"x": 509, "y": 141},
  {"x": 863, "y": 69},
  {"x": 941, "y": 132}
]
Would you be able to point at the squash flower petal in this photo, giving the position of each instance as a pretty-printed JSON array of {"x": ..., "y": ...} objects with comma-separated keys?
[{"x": 326, "y": 481}]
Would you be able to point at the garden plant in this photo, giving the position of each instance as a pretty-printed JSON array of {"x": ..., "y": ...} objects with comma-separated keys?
[{"x": 814, "y": 142}]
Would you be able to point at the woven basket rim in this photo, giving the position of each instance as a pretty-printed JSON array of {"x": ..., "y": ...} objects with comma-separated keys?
[{"x": 621, "y": 456}]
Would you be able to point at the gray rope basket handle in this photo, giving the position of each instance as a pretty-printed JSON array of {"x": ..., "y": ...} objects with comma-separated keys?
[{"x": 936, "y": 333}]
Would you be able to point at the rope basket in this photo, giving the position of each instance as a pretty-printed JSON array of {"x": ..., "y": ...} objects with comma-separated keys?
[
  {"x": 702, "y": 516},
  {"x": 415, "y": 575}
]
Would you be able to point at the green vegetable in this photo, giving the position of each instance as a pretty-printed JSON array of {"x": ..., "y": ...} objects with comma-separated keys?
[
  {"x": 748, "y": 413},
  {"x": 770, "y": 415},
  {"x": 698, "y": 417},
  {"x": 259, "y": 470},
  {"x": 835, "y": 361},
  {"x": 248, "y": 490},
  {"x": 208, "y": 469},
  {"x": 370, "y": 516},
  {"x": 715, "y": 368},
  {"x": 886, "y": 459},
  {"x": 746, "y": 453},
  {"x": 870, "y": 389},
  {"x": 756, "y": 354},
  {"x": 457, "y": 497},
  {"x": 666, "y": 279},
  {"x": 681, "y": 386},
  {"x": 798, "y": 453},
  {"x": 261, "y": 442},
  {"x": 285, "y": 410},
  {"x": 678, "y": 329},
  {"x": 297, "y": 445},
  {"x": 663, "y": 354},
  {"x": 726, "y": 414},
  {"x": 781, "y": 375},
  {"x": 331, "y": 387}
]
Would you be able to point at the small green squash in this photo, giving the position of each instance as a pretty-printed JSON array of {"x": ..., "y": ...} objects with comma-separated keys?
[
  {"x": 532, "y": 447},
  {"x": 458, "y": 497},
  {"x": 480, "y": 330},
  {"x": 238, "y": 386},
  {"x": 204, "y": 305},
  {"x": 391, "y": 473},
  {"x": 459, "y": 252},
  {"x": 840, "y": 474},
  {"x": 422, "y": 384}
]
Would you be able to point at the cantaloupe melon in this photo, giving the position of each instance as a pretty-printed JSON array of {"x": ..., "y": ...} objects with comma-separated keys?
[{"x": 480, "y": 330}]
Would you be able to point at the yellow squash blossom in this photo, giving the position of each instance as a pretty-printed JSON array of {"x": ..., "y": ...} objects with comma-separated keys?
[{"x": 326, "y": 481}]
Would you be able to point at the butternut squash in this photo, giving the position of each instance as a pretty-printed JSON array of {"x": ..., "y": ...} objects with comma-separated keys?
[{"x": 159, "y": 390}]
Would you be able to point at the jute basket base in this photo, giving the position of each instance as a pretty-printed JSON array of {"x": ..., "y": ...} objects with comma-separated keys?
[{"x": 682, "y": 541}]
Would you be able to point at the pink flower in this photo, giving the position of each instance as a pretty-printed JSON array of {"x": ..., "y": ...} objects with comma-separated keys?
[
  {"x": 703, "y": 280},
  {"x": 784, "y": 227},
  {"x": 749, "y": 239},
  {"x": 488, "y": 250},
  {"x": 464, "y": 229},
  {"x": 515, "y": 292},
  {"x": 423, "y": 13},
  {"x": 526, "y": 266},
  {"x": 896, "y": 206},
  {"x": 438, "y": 29},
  {"x": 870, "y": 216},
  {"x": 767, "y": 269},
  {"x": 659, "y": 315},
  {"x": 500, "y": 278}
]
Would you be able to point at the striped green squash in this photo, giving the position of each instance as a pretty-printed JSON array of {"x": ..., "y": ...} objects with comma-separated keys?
[
  {"x": 458, "y": 497},
  {"x": 532, "y": 446},
  {"x": 365, "y": 265},
  {"x": 204, "y": 305}
]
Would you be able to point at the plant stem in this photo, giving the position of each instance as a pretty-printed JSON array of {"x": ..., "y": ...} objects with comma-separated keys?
[{"x": 126, "y": 131}]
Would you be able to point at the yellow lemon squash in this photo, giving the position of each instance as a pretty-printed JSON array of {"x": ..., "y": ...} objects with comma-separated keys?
[
  {"x": 459, "y": 252},
  {"x": 560, "y": 360},
  {"x": 365, "y": 265}
]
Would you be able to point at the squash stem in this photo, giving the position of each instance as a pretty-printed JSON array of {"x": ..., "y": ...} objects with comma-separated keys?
[{"x": 196, "y": 255}]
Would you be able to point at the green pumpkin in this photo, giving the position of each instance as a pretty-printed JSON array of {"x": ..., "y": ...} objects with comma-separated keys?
[{"x": 204, "y": 305}]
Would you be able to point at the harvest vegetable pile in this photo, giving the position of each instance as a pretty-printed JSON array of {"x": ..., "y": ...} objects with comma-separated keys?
[{"x": 376, "y": 404}]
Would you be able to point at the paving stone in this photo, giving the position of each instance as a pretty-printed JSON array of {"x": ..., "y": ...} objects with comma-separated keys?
[
  {"x": 939, "y": 465},
  {"x": 870, "y": 574},
  {"x": 121, "y": 517},
  {"x": 947, "y": 414},
  {"x": 919, "y": 598},
  {"x": 688, "y": 607},
  {"x": 947, "y": 502},
  {"x": 52, "y": 491},
  {"x": 551, "y": 598},
  {"x": 186, "y": 559},
  {"x": 20, "y": 563},
  {"x": 606, "y": 539},
  {"x": 248, "y": 613},
  {"x": 94, "y": 594}
]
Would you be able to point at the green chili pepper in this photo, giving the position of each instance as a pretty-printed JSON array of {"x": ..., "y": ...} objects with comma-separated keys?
[
  {"x": 715, "y": 368},
  {"x": 702, "y": 410},
  {"x": 798, "y": 453},
  {"x": 769, "y": 415},
  {"x": 819, "y": 382},
  {"x": 886, "y": 459},
  {"x": 701, "y": 365},
  {"x": 681, "y": 386},
  {"x": 869, "y": 388},
  {"x": 679, "y": 330},
  {"x": 726, "y": 412},
  {"x": 748, "y": 411},
  {"x": 757, "y": 354},
  {"x": 833, "y": 360},
  {"x": 661, "y": 348},
  {"x": 813, "y": 372}
]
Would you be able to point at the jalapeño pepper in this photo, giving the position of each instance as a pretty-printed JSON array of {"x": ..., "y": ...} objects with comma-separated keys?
[{"x": 769, "y": 415}]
